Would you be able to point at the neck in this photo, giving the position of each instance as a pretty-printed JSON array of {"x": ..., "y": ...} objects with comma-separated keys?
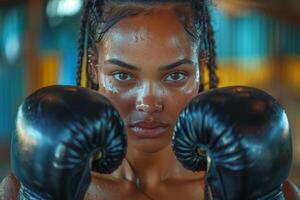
[{"x": 149, "y": 169}]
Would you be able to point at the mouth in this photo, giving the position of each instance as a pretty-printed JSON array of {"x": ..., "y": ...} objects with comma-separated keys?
[{"x": 144, "y": 129}]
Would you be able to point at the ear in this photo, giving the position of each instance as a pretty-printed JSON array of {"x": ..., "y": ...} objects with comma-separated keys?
[
  {"x": 203, "y": 61},
  {"x": 92, "y": 68},
  {"x": 202, "y": 64}
]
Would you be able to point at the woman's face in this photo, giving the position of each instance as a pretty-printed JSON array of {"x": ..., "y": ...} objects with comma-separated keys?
[{"x": 149, "y": 69}]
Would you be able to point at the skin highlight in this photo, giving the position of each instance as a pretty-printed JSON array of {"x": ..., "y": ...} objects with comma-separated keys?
[
  {"x": 150, "y": 171},
  {"x": 147, "y": 85},
  {"x": 148, "y": 67}
]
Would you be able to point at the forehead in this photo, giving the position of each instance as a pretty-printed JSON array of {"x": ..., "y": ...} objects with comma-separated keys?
[{"x": 155, "y": 34}]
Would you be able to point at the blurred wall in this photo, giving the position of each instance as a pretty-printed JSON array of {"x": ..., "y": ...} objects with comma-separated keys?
[
  {"x": 256, "y": 49},
  {"x": 38, "y": 48}
]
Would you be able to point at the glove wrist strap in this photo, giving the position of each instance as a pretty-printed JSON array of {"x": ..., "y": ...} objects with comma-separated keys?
[{"x": 26, "y": 194}]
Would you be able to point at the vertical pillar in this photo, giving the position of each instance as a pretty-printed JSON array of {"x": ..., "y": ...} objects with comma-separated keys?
[{"x": 34, "y": 10}]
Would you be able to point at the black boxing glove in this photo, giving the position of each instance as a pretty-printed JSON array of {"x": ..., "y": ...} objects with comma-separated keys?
[
  {"x": 63, "y": 132},
  {"x": 241, "y": 136}
]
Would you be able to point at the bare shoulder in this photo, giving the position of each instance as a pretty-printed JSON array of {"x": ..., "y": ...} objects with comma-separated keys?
[
  {"x": 98, "y": 189},
  {"x": 106, "y": 187},
  {"x": 9, "y": 188},
  {"x": 291, "y": 191}
]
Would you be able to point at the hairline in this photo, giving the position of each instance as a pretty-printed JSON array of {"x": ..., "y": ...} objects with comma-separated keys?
[{"x": 147, "y": 8}]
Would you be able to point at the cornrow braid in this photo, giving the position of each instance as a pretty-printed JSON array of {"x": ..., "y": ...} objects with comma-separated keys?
[
  {"x": 202, "y": 41},
  {"x": 85, "y": 38},
  {"x": 81, "y": 41},
  {"x": 95, "y": 17},
  {"x": 94, "y": 25},
  {"x": 90, "y": 60},
  {"x": 211, "y": 65}
]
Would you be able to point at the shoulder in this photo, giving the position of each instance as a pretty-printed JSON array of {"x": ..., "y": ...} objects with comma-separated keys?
[
  {"x": 291, "y": 191},
  {"x": 9, "y": 188},
  {"x": 107, "y": 187},
  {"x": 103, "y": 187}
]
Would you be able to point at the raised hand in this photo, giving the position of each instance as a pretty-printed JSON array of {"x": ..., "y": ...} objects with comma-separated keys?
[
  {"x": 64, "y": 132},
  {"x": 241, "y": 137}
]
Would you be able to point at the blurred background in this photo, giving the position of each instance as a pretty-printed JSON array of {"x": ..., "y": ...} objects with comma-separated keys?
[{"x": 258, "y": 44}]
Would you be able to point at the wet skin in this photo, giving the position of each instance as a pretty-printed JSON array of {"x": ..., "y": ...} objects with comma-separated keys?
[
  {"x": 148, "y": 66},
  {"x": 148, "y": 93},
  {"x": 164, "y": 78}
]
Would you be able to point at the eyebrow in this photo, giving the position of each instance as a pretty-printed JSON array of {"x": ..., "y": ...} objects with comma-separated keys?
[
  {"x": 133, "y": 67},
  {"x": 121, "y": 64},
  {"x": 176, "y": 64}
]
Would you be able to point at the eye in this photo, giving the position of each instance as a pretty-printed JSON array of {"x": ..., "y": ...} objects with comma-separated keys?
[
  {"x": 176, "y": 76},
  {"x": 122, "y": 76}
]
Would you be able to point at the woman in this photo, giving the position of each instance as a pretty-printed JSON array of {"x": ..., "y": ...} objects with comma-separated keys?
[{"x": 147, "y": 57}]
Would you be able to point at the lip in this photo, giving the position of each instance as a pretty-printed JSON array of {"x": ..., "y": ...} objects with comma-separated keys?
[{"x": 144, "y": 129}]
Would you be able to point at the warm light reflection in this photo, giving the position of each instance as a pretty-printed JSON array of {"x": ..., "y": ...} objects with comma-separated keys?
[
  {"x": 60, "y": 8},
  {"x": 28, "y": 137},
  {"x": 286, "y": 128}
]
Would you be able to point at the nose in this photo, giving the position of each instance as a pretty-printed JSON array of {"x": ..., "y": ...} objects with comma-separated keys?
[
  {"x": 148, "y": 108},
  {"x": 149, "y": 99}
]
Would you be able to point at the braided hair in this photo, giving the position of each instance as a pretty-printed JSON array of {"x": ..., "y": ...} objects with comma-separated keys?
[{"x": 98, "y": 17}]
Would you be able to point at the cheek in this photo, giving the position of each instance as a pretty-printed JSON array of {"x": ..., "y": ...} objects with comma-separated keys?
[
  {"x": 107, "y": 86},
  {"x": 120, "y": 98},
  {"x": 175, "y": 100}
]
